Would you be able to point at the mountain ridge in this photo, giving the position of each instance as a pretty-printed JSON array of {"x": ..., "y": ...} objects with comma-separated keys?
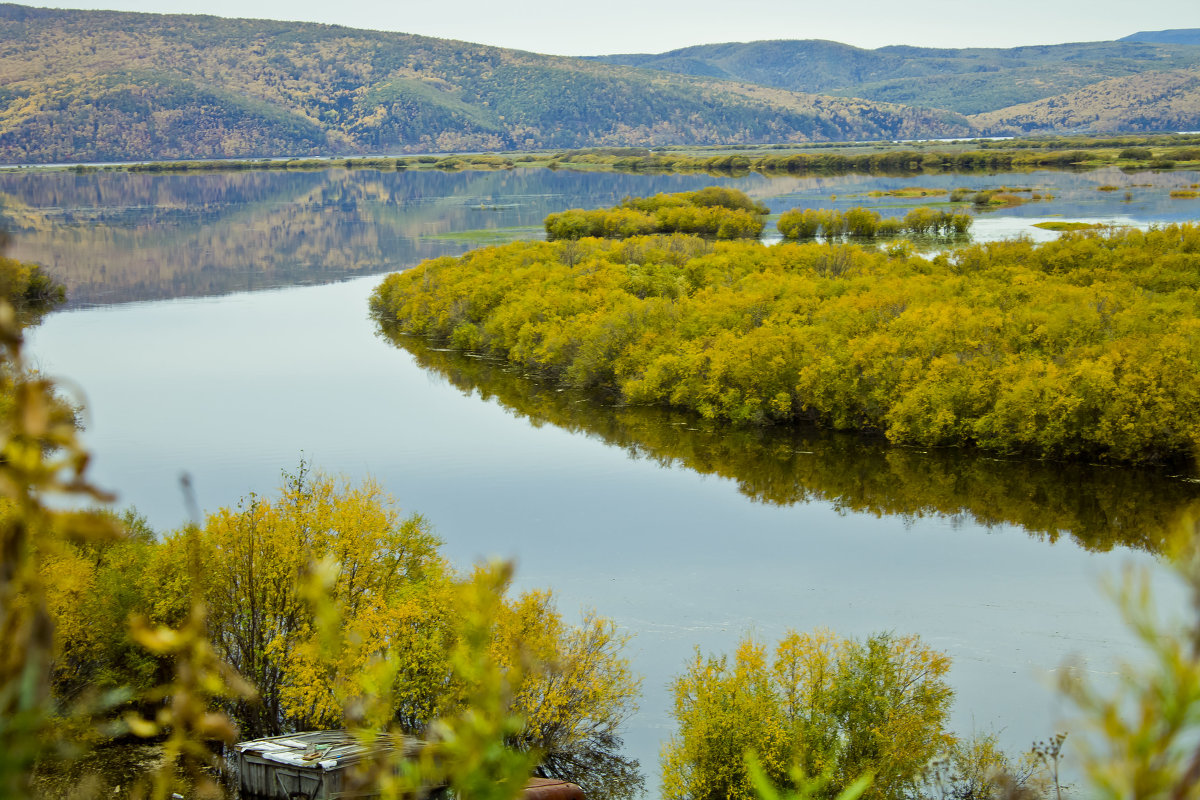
[
  {"x": 1146, "y": 102},
  {"x": 79, "y": 85},
  {"x": 103, "y": 85},
  {"x": 966, "y": 80},
  {"x": 1170, "y": 36}
]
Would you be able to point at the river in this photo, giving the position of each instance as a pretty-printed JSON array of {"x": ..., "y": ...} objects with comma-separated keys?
[{"x": 217, "y": 326}]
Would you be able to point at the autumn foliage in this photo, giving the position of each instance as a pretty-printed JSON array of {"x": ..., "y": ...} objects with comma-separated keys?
[
  {"x": 400, "y": 609},
  {"x": 1084, "y": 347},
  {"x": 863, "y": 223},
  {"x": 715, "y": 212},
  {"x": 837, "y": 708}
]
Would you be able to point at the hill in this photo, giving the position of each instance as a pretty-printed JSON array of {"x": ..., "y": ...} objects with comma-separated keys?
[
  {"x": 969, "y": 81},
  {"x": 1152, "y": 101},
  {"x": 1175, "y": 36},
  {"x": 98, "y": 86}
]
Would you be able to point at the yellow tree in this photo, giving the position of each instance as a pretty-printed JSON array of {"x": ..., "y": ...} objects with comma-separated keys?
[
  {"x": 836, "y": 709},
  {"x": 400, "y": 615},
  {"x": 574, "y": 694},
  {"x": 252, "y": 561}
]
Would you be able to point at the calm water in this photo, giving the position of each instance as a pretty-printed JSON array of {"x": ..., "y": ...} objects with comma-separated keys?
[{"x": 218, "y": 327}]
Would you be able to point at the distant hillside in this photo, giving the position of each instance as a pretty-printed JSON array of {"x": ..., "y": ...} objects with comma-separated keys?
[
  {"x": 968, "y": 81},
  {"x": 811, "y": 65},
  {"x": 1174, "y": 36},
  {"x": 1150, "y": 102},
  {"x": 95, "y": 86}
]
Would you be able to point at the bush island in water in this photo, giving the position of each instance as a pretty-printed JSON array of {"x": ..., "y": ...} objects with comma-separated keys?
[
  {"x": 1084, "y": 347},
  {"x": 716, "y": 212}
]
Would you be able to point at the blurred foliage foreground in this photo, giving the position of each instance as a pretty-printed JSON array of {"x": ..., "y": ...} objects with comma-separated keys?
[{"x": 324, "y": 607}]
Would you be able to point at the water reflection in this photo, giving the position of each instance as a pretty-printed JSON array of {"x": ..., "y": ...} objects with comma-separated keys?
[
  {"x": 1097, "y": 507},
  {"x": 120, "y": 237}
]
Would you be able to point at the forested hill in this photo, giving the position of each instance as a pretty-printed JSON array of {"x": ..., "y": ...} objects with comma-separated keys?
[
  {"x": 1148, "y": 102},
  {"x": 969, "y": 81},
  {"x": 95, "y": 86}
]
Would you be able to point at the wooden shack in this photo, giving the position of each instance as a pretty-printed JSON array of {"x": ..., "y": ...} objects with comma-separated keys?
[
  {"x": 314, "y": 765},
  {"x": 317, "y": 765}
]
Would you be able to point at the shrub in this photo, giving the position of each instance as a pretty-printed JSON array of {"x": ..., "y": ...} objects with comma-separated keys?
[
  {"x": 836, "y": 707},
  {"x": 716, "y": 212},
  {"x": 799, "y": 223}
]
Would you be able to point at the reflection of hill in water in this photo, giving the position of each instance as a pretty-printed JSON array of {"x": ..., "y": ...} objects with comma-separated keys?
[
  {"x": 1097, "y": 507},
  {"x": 115, "y": 237},
  {"x": 119, "y": 237}
]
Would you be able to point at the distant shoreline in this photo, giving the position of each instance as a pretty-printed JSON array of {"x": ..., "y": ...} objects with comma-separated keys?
[{"x": 1133, "y": 152}]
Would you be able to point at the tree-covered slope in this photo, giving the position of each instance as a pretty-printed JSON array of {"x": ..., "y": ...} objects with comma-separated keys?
[
  {"x": 1154, "y": 101},
  {"x": 968, "y": 81},
  {"x": 96, "y": 85}
]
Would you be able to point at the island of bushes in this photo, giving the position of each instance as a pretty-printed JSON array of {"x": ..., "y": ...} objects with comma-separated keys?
[{"x": 1084, "y": 347}]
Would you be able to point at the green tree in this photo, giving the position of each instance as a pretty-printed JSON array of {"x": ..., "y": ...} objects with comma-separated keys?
[{"x": 92, "y": 588}]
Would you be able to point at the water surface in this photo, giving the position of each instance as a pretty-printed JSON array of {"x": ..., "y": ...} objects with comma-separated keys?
[{"x": 688, "y": 535}]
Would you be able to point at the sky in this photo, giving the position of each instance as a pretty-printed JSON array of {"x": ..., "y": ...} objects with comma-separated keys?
[{"x": 633, "y": 26}]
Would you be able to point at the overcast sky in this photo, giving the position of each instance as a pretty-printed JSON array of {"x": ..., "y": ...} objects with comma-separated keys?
[{"x": 646, "y": 26}]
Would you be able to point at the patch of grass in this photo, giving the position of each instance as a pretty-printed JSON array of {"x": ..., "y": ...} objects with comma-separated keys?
[
  {"x": 1067, "y": 226},
  {"x": 996, "y": 199},
  {"x": 1184, "y": 194},
  {"x": 1108, "y": 187}
]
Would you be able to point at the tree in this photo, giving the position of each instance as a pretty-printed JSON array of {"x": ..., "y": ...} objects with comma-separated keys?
[
  {"x": 248, "y": 561},
  {"x": 798, "y": 223},
  {"x": 92, "y": 588},
  {"x": 574, "y": 696},
  {"x": 836, "y": 708},
  {"x": 890, "y": 702},
  {"x": 400, "y": 611}
]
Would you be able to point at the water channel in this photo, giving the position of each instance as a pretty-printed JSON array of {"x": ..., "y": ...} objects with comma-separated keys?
[{"x": 217, "y": 326}]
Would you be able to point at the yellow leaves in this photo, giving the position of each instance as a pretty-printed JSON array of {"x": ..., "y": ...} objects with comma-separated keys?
[
  {"x": 254, "y": 560},
  {"x": 343, "y": 613},
  {"x": 469, "y": 748},
  {"x": 830, "y": 707},
  {"x": 804, "y": 669},
  {"x": 70, "y": 579},
  {"x": 929, "y": 351}
]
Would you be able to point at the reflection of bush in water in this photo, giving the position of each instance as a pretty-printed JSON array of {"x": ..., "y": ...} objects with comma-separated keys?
[{"x": 1098, "y": 507}]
